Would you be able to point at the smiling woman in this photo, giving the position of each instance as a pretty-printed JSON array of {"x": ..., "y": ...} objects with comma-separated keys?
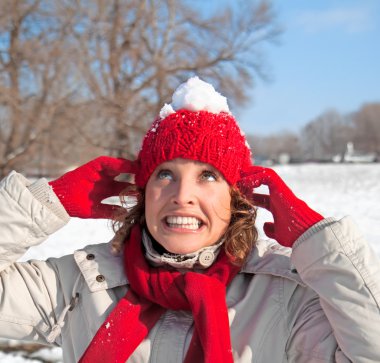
[
  {"x": 185, "y": 278},
  {"x": 215, "y": 203}
]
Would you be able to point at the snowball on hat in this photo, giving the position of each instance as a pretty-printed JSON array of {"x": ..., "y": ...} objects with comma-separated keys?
[
  {"x": 196, "y": 95},
  {"x": 197, "y": 125}
]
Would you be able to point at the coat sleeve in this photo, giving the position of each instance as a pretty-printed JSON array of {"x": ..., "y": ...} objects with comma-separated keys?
[
  {"x": 29, "y": 213},
  {"x": 29, "y": 291},
  {"x": 335, "y": 261}
]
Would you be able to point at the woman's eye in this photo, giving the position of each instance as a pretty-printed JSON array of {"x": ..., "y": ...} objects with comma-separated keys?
[
  {"x": 164, "y": 174},
  {"x": 209, "y": 176}
]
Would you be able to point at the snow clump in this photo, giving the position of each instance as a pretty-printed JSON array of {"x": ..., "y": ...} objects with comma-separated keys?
[{"x": 195, "y": 95}]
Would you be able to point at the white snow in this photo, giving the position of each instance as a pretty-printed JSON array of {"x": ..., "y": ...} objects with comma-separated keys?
[
  {"x": 16, "y": 357},
  {"x": 337, "y": 190},
  {"x": 48, "y": 354},
  {"x": 331, "y": 189},
  {"x": 196, "y": 95}
]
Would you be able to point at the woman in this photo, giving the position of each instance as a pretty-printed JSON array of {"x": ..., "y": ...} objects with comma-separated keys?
[{"x": 185, "y": 278}]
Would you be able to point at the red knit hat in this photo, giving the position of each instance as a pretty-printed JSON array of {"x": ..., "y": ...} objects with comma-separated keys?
[{"x": 201, "y": 135}]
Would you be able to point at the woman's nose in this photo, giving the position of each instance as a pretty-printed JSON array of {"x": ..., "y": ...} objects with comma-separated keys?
[{"x": 184, "y": 192}]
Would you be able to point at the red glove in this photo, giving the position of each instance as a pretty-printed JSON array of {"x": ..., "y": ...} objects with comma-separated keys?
[
  {"x": 82, "y": 190},
  {"x": 291, "y": 216}
]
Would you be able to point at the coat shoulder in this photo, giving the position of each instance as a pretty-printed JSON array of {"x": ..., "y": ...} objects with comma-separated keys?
[
  {"x": 100, "y": 269},
  {"x": 270, "y": 258}
]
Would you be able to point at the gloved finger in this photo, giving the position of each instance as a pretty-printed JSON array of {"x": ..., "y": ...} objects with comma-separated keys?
[
  {"x": 266, "y": 176},
  {"x": 269, "y": 230},
  {"x": 246, "y": 188},
  {"x": 261, "y": 200},
  {"x": 249, "y": 183},
  {"x": 115, "y": 166},
  {"x": 114, "y": 188},
  {"x": 252, "y": 170},
  {"x": 106, "y": 211},
  {"x": 256, "y": 176}
]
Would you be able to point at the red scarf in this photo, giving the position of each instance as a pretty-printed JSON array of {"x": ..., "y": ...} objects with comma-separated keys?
[{"x": 152, "y": 291}]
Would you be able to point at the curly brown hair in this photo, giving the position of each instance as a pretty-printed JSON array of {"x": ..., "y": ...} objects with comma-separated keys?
[{"x": 240, "y": 236}]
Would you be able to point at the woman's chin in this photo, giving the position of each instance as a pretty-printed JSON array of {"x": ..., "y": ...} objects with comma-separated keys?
[{"x": 185, "y": 247}]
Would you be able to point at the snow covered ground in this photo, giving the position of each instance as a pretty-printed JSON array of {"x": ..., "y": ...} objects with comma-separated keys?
[{"x": 331, "y": 189}]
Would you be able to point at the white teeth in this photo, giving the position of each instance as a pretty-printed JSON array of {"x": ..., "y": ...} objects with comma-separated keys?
[{"x": 183, "y": 222}]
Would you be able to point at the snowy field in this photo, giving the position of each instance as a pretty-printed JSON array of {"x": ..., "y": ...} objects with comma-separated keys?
[{"x": 331, "y": 189}]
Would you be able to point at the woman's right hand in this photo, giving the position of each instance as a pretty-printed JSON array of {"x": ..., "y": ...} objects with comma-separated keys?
[{"x": 82, "y": 190}]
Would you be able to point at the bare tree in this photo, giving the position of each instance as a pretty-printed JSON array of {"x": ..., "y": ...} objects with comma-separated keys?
[
  {"x": 273, "y": 146},
  {"x": 33, "y": 79},
  {"x": 82, "y": 77},
  {"x": 366, "y": 123},
  {"x": 325, "y": 136},
  {"x": 135, "y": 52}
]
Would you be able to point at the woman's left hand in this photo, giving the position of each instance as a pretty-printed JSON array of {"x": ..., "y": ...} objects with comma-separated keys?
[{"x": 291, "y": 216}]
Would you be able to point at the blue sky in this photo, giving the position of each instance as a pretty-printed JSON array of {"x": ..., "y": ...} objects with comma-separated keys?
[{"x": 328, "y": 57}]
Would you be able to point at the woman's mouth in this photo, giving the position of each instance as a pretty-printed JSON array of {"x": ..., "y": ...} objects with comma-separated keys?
[{"x": 180, "y": 222}]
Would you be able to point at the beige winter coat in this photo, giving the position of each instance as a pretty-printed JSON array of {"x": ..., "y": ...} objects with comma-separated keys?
[{"x": 321, "y": 304}]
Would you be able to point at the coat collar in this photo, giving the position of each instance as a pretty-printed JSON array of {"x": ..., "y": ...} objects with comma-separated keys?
[{"x": 102, "y": 270}]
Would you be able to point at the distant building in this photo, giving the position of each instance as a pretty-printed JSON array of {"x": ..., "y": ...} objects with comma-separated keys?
[{"x": 353, "y": 156}]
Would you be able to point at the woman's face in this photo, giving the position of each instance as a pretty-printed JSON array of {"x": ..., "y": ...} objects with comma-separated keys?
[{"x": 187, "y": 205}]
